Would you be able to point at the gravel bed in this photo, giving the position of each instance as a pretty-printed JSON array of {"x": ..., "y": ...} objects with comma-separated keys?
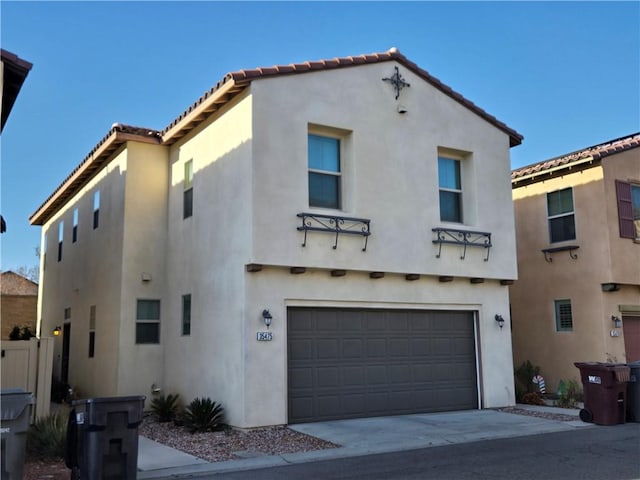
[
  {"x": 231, "y": 444},
  {"x": 560, "y": 417}
]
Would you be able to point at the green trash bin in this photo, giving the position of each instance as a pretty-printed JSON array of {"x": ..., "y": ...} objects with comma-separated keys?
[
  {"x": 17, "y": 407},
  {"x": 605, "y": 391},
  {"x": 102, "y": 438},
  {"x": 633, "y": 392}
]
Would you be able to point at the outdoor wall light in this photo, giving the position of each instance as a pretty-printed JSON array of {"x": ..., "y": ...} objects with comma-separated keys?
[
  {"x": 56, "y": 331},
  {"x": 500, "y": 320},
  {"x": 617, "y": 323},
  {"x": 266, "y": 316}
]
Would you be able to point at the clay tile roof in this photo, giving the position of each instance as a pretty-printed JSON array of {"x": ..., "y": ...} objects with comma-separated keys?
[
  {"x": 593, "y": 153},
  {"x": 243, "y": 77},
  {"x": 90, "y": 166}
]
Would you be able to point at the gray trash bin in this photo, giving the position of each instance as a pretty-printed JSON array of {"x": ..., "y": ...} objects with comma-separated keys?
[
  {"x": 633, "y": 393},
  {"x": 102, "y": 438},
  {"x": 17, "y": 407}
]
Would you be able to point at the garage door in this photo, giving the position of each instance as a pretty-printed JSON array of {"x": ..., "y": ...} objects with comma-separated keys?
[{"x": 346, "y": 363}]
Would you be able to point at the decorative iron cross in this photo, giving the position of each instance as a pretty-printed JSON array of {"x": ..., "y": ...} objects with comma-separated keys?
[{"x": 397, "y": 81}]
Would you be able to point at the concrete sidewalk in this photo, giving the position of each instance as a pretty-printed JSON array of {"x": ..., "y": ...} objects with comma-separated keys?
[{"x": 367, "y": 436}]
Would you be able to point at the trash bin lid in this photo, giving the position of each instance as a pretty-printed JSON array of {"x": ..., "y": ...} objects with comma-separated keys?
[{"x": 13, "y": 402}]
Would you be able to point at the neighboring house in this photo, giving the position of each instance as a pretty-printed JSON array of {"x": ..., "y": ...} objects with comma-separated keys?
[
  {"x": 322, "y": 240},
  {"x": 13, "y": 72},
  {"x": 19, "y": 305},
  {"x": 577, "y": 297}
]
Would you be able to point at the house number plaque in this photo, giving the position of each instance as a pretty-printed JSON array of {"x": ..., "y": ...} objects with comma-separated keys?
[{"x": 264, "y": 336}]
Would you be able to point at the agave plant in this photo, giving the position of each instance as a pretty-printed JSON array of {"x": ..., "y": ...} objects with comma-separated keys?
[
  {"x": 203, "y": 415},
  {"x": 165, "y": 408}
]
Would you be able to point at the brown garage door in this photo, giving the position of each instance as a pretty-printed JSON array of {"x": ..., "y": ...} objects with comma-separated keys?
[{"x": 348, "y": 363}]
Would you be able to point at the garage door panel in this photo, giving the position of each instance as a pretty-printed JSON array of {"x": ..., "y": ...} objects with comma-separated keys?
[{"x": 346, "y": 363}]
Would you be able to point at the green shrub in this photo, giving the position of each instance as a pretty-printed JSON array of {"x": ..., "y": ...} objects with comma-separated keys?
[
  {"x": 202, "y": 415},
  {"x": 165, "y": 408},
  {"x": 524, "y": 379},
  {"x": 47, "y": 436},
  {"x": 569, "y": 394}
]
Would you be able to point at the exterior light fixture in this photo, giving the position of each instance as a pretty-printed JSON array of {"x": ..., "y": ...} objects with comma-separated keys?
[
  {"x": 56, "y": 331},
  {"x": 266, "y": 316},
  {"x": 617, "y": 323},
  {"x": 500, "y": 320}
]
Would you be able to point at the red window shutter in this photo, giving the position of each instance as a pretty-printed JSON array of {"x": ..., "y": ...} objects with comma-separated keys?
[{"x": 625, "y": 210}]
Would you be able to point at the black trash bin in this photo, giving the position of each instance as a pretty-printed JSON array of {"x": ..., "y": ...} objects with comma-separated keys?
[
  {"x": 102, "y": 438},
  {"x": 633, "y": 392},
  {"x": 17, "y": 407},
  {"x": 605, "y": 389}
]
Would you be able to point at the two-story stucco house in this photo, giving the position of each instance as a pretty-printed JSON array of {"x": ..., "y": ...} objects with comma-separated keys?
[
  {"x": 323, "y": 240},
  {"x": 577, "y": 297}
]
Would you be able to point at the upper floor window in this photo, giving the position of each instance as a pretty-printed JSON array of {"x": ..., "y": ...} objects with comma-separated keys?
[
  {"x": 186, "y": 314},
  {"x": 561, "y": 216},
  {"x": 148, "y": 321},
  {"x": 92, "y": 331},
  {"x": 628, "y": 196},
  {"x": 325, "y": 172},
  {"x": 187, "y": 202},
  {"x": 74, "y": 232},
  {"x": 96, "y": 209},
  {"x": 60, "y": 238},
  {"x": 450, "y": 185},
  {"x": 563, "y": 316}
]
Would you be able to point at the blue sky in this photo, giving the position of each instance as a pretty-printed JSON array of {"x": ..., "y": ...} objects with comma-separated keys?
[{"x": 564, "y": 75}]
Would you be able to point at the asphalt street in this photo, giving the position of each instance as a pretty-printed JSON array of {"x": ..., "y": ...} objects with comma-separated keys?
[{"x": 608, "y": 453}]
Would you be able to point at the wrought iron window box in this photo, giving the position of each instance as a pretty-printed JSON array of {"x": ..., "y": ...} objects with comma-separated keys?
[
  {"x": 463, "y": 238},
  {"x": 312, "y": 222},
  {"x": 564, "y": 248}
]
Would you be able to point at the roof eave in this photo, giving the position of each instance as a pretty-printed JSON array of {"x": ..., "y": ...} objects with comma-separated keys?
[{"x": 90, "y": 167}]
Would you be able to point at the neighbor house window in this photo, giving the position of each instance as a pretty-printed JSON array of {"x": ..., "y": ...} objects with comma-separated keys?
[
  {"x": 325, "y": 173},
  {"x": 96, "y": 209},
  {"x": 148, "y": 321},
  {"x": 628, "y": 196},
  {"x": 92, "y": 331},
  {"x": 60, "y": 238},
  {"x": 186, "y": 314},
  {"x": 67, "y": 314},
  {"x": 450, "y": 186},
  {"x": 74, "y": 232},
  {"x": 561, "y": 217},
  {"x": 187, "y": 202},
  {"x": 564, "y": 317}
]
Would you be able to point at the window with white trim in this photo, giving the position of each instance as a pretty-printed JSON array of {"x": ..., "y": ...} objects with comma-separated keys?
[
  {"x": 60, "y": 238},
  {"x": 563, "y": 316},
  {"x": 147, "y": 321},
  {"x": 325, "y": 172},
  {"x": 561, "y": 216},
  {"x": 450, "y": 189},
  {"x": 74, "y": 231}
]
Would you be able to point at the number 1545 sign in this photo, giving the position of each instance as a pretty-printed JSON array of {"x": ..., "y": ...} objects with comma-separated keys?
[{"x": 264, "y": 336}]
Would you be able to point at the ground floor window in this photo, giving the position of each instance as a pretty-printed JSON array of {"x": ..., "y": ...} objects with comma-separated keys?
[{"x": 564, "y": 316}]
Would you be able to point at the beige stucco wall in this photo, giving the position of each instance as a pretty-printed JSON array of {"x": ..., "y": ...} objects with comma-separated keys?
[
  {"x": 250, "y": 181},
  {"x": 390, "y": 174},
  {"x": 103, "y": 268},
  {"x": 602, "y": 257},
  {"x": 206, "y": 258}
]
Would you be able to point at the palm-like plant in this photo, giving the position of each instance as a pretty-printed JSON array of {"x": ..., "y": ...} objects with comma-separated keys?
[
  {"x": 165, "y": 408},
  {"x": 203, "y": 415}
]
